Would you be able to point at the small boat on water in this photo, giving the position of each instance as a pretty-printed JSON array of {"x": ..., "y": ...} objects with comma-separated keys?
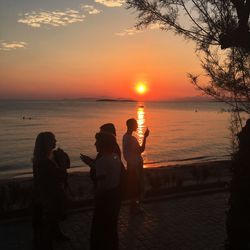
[{"x": 26, "y": 118}]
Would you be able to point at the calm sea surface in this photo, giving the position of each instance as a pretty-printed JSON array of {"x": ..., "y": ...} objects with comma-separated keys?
[{"x": 179, "y": 132}]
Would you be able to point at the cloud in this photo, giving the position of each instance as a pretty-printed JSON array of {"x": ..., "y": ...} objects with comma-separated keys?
[
  {"x": 12, "y": 45},
  {"x": 128, "y": 32},
  {"x": 111, "y": 3},
  {"x": 132, "y": 31},
  {"x": 51, "y": 18},
  {"x": 90, "y": 9},
  {"x": 156, "y": 26}
]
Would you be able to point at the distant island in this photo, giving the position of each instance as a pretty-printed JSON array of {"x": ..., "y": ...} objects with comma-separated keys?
[{"x": 115, "y": 100}]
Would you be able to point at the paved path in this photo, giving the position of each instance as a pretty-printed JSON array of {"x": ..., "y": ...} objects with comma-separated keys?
[{"x": 191, "y": 223}]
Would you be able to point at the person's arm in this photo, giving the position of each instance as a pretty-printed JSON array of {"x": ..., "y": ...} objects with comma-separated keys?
[
  {"x": 87, "y": 160},
  {"x": 146, "y": 134},
  {"x": 61, "y": 158}
]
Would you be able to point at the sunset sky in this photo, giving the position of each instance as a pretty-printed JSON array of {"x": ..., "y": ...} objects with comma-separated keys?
[{"x": 72, "y": 49}]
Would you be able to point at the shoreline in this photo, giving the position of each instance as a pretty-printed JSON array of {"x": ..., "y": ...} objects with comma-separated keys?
[
  {"x": 17, "y": 174},
  {"x": 84, "y": 169},
  {"x": 16, "y": 193}
]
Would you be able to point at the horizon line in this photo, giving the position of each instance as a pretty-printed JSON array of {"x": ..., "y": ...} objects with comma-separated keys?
[{"x": 180, "y": 99}]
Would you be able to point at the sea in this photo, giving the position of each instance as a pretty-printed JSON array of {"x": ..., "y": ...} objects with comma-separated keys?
[{"x": 180, "y": 132}]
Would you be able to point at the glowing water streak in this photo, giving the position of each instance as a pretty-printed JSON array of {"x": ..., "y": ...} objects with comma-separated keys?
[{"x": 141, "y": 123}]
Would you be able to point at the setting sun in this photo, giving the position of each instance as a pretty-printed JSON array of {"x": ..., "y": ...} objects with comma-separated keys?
[{"x": 141, "y": 88}]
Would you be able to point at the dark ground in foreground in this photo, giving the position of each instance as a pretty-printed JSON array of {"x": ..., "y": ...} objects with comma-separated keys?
[{"x": 191, "y": 222}]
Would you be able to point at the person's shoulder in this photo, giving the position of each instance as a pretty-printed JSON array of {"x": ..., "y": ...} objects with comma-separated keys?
[
  {"x": 128, "y": 136},
  {"x": 115, "y": 157},
  {"x": 113, "y": 161},
  {"x": 133, "y": 137},
  {"x": 125, "y": 135},
  {"x": 101, "y": 159}
]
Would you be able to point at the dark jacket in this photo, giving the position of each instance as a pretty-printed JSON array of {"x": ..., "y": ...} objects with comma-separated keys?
[{"x": 48, "y": 181}]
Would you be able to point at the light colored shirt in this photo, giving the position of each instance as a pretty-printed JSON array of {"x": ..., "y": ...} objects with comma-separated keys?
[
  {"x": 108, "y": 171},
  {"x": 131, "y": 150}
]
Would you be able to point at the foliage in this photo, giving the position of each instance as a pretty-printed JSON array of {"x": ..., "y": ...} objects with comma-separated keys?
[
  {"x": 212, "y": 25},
  {"x": 212, "y": 22},
  {"x": 238, "y": 215},
  {"x": 228, "y": 78},
  {"x": 209, "y": 24}
]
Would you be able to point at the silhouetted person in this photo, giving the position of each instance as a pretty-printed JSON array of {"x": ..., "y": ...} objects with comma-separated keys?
[
  {"x": 104, "y": 235},
  {"x": 107, "y": 128},
  {"x": 238, "y": 216},
  {"x": 49, "y": 193},
  {"x": 244, "y": 137},
  {"x": 132, "y": 154},
  {"x": 63, "y": 161}
]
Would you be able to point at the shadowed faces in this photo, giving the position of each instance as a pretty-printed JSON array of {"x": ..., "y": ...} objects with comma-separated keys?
[{"x": 132, "y": 124}]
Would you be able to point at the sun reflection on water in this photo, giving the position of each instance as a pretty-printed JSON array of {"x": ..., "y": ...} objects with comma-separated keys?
[{"x": 141, "y": 122}]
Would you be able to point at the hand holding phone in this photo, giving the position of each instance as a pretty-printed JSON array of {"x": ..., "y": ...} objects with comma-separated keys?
[
  {"x": 87, "y": 160},
  {"x": 146, "y": 134}
]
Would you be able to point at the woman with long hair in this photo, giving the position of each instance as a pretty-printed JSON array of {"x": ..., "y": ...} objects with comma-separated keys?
[
  {"x": 49, "y": 194},
  {"x": 108, "y": 166}
]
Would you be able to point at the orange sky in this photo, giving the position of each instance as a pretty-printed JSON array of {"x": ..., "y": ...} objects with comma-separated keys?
[{"x": 93, "y": 55}]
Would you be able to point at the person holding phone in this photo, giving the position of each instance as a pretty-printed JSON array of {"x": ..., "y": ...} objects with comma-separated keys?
[
  {"x": 107, "y": 167},
  {"x": 132, "y": 151},
  {"x": 105, "y": 128}
]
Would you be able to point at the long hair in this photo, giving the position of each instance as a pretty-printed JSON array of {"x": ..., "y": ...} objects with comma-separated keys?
[{"x": 43, "y": 145}]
